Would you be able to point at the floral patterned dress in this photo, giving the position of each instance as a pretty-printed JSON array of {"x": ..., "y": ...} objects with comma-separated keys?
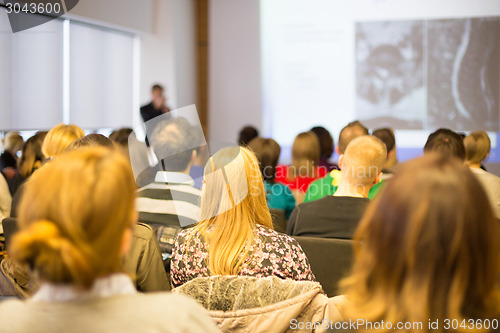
[{"x": 272, "y": 253}]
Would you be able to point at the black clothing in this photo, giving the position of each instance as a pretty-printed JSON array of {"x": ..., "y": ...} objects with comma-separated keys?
[
  {"x": 328, "y": 217},
  {"x": 7, "y": 160},
  {"x": 149, "y": 112}
]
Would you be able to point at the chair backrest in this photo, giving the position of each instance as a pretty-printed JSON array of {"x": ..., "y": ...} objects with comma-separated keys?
[
  {"x": 9, "y": 229},
  {"x": 279, "y": 220},
  {"x": 330, "y": 260}
]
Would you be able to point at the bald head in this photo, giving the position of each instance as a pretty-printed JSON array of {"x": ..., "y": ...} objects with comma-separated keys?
[
  {"x": 363, "y": 160},
  {"x": 352, "y": 131}
]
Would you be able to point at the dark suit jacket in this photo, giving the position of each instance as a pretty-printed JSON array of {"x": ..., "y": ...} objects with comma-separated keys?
[
  {"x": 148, "y": 112},
  {"x": 328, "y": 217}
]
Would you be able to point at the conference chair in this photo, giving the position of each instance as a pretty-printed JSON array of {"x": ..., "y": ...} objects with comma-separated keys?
[
  {"x": 330, "y": 260},
  {"x": 279, "y": 220}
]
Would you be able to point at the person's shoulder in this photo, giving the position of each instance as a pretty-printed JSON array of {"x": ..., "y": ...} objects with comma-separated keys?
[
  {"x": 318, "y": 203},
  {"x": 351, "y": 201},
  {"x": 180, "y": 312},
  {"x": 162, "y": 299},
  {"x": 143, "y": 231},
  {"x": 12, "y": 307},
  {"x": 487, "y": 177},
  {"x": 274, "y": 235},
  {"x": 187, "y": 233}
]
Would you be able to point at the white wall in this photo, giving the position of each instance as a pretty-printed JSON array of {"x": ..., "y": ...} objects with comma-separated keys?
[
  {"x": 234, "y": 68},
  {"x": 129, "y": 14},
  {"x": 167, "y": 51},
  {"x": 184, "y": 27},
  {"x": 168, "y": 55}
]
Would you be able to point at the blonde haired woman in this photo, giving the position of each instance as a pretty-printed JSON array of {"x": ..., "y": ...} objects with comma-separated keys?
[
  {"x": 59, "y": 138},
  {"x": 235, "y": 235},
  {"x": 74, "y": 237},
  {"x": 477, "y": 149},
  {"x": 428, "y": 255}
]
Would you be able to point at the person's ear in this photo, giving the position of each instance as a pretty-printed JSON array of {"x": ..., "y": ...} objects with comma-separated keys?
[
  {"x": 390, "y": 153},
  {"x": 341, "y": 161},
  {"x": 337, "y": 150},
  {"x": 194, "y": 154}
]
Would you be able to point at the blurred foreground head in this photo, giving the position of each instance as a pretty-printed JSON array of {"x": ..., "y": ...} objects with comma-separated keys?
[
  {"x": 429, "y": 248},
  {"x": 79, "y": 228}
]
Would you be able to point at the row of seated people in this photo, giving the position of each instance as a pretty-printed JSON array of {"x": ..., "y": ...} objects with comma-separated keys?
[{"x": 427, "y": 247}]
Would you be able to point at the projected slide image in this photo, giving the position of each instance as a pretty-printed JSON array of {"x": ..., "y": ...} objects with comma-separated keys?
[
  {"x": 463, "y": 73},
  {"x": 390, "y": 74},
  {"x": 427, "y": 74}
]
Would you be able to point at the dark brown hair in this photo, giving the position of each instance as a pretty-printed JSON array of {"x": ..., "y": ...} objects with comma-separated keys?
[
  {"x": 32, "y": 156},
  {"x": 387, "y": 137},
  {"x": 325, "y": 141},
  {"x": 247, "y": 134},
  {"x": 268, "y": 154},
  {"x": 447, "y": 142}
]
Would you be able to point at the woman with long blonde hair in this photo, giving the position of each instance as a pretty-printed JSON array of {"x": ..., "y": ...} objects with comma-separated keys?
[
  {"x": 235, "y": 235},
  {"x": 428, "y": 251},
  {"x": 74, "y": 237}
]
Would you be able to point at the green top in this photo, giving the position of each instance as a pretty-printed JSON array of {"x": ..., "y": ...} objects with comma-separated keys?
[{"x": 324, "y": 186}]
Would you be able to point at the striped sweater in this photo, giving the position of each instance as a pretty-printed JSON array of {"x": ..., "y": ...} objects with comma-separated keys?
[{"x": 171, "y": 199}]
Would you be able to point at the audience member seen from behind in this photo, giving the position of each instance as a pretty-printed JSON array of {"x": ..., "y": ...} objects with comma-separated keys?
[
  {"x": 426, "y": 255},
  {"x": 446, "y": 142},
  {"x": 74, "y": 238},
  {"x": 387, "y": 136},
  {"x": 278, "y": 196},
  {"x": 477, "y": 148},
  {"x": 328, "y": 185},
  {"x": 247, "y": 134},
  {"x": 338, "y": 216},
  {"x": 12, "y": 144},
  {"x": 304, "y": 168},
  {"x": 171, "y": 202},
  {"x": 143, "y": 261},
  {"x": 31, "y": 159},
  {"x": 59, "y": 138},
  {"x": 172, "y": 198},
  {"x": 327, "y": 147},
  {"x": 235, "y": 235},
  {"x": 120, "y": 138}
]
